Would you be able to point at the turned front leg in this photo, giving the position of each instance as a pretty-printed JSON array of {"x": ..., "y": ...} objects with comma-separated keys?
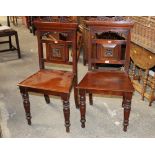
[
  {"x": 26, "y": 104},
  {"x": 66, "y": 110},
  {"x": 82, "y": 107},
  {"x": 127, "y": 109}
]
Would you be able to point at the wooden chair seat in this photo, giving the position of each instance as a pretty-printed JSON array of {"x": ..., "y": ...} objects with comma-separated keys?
[
  {"x": 107, "y": 81},
  {"x": 49, "y": 80},
  {"x": 7, "y": 32}
]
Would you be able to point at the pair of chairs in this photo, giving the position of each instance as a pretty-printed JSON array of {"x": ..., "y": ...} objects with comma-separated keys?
[{"x": 58, "y": 40}]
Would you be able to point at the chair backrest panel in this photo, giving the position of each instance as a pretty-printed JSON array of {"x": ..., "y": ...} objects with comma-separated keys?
[
  {"x": 55, "y": 42},
  {"x": 108, "y": 51},
  {"x": 109, "y": 43}
]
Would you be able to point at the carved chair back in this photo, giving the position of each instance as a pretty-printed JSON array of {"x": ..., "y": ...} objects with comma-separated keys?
[
  {"x": 109, "y": 43},
  {"x": 55, "y": 42}
]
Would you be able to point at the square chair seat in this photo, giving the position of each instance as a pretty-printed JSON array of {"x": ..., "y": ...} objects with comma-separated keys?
[
  {"x": 106, "y": 81},
  {"x": 50, "y": 80}
]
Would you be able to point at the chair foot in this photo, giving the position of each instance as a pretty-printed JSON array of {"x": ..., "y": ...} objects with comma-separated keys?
[
  {"x": 29, "y": 122},
  {"x": 83, "y": 123},
  {"x": 125, "y": 129},
  {"x": 150, "y": 104},
  {"x": 67, "y": 129}
]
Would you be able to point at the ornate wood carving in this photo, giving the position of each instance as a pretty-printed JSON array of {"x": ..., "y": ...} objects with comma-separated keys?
[{"x": 57, "y": 51}]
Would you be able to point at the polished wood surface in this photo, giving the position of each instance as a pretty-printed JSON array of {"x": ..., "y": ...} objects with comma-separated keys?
[
  {"x": 102, "y": 26},
  {"x": 51, "y": 80},
  {"x": 114, "y": 48},
  {"x": 142, "y": 58},
  {"x": 105, "y": 81},
  {"x": 58, "y": 39}
]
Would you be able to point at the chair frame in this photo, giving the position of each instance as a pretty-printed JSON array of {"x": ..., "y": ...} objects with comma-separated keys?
[
  {"x": 42, "y": 28},
  {"x": 104, "y": 26}
]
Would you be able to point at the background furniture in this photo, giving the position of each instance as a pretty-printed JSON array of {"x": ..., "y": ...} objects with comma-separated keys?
[
  {"x": 143, "y": 33},
  {"x": 6, "y": 31},
  {"x": 55, "y": 41},
  {"x": 143, "y": 78},
  {"x": 108, "y": 50}
]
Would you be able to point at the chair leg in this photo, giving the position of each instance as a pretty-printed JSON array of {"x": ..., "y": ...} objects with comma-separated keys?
[
  {"x": 90, "y": 99},
  {"x": 82, "y": 107},
  {"x": 127, "y": 109},
  {"x": 123, "y": 102},
  {"x": 17, "y": 44},
  {"x": 47, "y": 99},
  {"x": 66, "y": 110},
  {"x": 10, "y": 43},
  {"x": 26, "y": 104},
  {"x": 76, "y": 97}
]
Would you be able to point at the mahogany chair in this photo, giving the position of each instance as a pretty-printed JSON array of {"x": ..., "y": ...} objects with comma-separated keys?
[
  {"x": 107, "y": 51},
  {"x": 9, "y": 32},
  {"x": 59, "y": 42}
]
